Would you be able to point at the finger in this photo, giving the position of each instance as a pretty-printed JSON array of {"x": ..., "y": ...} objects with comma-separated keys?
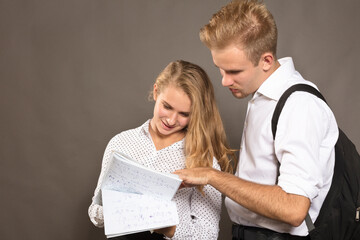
[{"x": 178, "y": 172}]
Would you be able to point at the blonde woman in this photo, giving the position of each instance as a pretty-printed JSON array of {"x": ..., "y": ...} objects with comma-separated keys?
[{"x": 185, "y": 131}]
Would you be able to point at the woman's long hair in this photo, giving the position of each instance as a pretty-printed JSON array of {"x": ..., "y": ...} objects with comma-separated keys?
[{"x": 205, "y": 135}]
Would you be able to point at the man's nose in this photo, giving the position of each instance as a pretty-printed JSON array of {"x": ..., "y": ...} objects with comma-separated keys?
[{"x": 226, "y": 80}]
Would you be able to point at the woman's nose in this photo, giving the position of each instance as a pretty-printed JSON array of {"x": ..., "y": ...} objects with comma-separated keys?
[{"x": 172, "y": 119}]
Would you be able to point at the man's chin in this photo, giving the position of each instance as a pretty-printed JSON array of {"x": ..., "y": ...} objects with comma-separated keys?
[{"x": 239, "y": 95}]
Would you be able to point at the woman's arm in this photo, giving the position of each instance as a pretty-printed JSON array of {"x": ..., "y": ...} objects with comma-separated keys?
[{"x": 95, "y": 210}]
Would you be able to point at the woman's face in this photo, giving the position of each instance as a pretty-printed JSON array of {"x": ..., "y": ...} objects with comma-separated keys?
[{"x": 171, "y": 111}]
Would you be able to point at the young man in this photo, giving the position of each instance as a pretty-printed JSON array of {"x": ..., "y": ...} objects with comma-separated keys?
[{"x": 265, "y": 198}]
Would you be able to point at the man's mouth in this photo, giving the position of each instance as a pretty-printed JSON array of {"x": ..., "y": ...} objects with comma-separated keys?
[{"x": 233, "y": 90}]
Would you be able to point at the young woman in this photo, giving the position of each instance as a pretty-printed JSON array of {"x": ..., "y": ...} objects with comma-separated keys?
[{"x": 185, "y": 131}]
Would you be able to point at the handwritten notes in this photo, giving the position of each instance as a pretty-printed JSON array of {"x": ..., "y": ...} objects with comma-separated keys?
[
  {"x": 126, "y": 175},
  {"x": 127, "y": 213},
  {"x": 136, "y": 198}
]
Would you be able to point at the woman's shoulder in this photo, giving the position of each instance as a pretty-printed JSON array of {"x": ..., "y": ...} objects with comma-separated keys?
[{"x": 131, "y": 134}]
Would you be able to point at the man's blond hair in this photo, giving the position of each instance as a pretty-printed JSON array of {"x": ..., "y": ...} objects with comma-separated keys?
[{"x": 245, "y": 23}]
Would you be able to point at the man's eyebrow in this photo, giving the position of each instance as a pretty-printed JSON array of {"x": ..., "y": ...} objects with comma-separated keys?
[
  {"x": 233, "y": 71},
  {"x": 229, "y": 70}
]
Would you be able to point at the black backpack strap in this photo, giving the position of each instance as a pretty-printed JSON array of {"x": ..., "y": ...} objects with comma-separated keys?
[
  {"x": 275, "y": 119},
  {"x": 284, "y": 97}
]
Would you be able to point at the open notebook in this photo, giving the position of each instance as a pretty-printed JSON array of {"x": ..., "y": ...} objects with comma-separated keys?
[{"x": 136, "y": 198}]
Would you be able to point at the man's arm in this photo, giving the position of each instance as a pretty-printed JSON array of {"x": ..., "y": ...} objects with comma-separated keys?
[{"x": 267, "y": 200}]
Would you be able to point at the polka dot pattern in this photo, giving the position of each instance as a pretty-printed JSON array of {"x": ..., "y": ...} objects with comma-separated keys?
[{"x": 199, "y": 215}]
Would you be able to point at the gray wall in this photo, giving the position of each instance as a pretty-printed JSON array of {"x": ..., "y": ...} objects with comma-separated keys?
[{"x": 75, "y": 73}]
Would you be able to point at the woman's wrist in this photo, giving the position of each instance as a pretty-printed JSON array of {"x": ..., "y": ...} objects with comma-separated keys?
[{"x": 168, "y": 232}]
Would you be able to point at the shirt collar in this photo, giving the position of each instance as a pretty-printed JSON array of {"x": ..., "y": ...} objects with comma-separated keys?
[
  {"x": 144, "y": 129},
  {"x": 273, "y": 86}
]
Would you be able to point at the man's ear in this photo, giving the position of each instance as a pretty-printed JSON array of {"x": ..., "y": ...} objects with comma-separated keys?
[
  {"x": 267, "y": 60},
  {"x": 155, "y": 92}
]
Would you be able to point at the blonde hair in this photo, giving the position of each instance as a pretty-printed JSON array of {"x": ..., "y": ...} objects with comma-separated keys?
[
  {"x": 205, "y": 135},
  {"x": 246, "y": 23}
]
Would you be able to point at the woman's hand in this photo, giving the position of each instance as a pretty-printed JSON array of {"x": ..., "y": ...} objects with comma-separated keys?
[{"x": 168, "y": 231}]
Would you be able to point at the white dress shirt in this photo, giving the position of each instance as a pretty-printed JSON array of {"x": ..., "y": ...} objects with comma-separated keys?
[
  {"x": 199, "y": 215},
  {"x": 304, "y": 145}
]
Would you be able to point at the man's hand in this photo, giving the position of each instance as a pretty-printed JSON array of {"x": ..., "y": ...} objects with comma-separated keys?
[{"x": 195, "y": 176}]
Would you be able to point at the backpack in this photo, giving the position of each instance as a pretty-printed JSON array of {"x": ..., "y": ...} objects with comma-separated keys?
[{"x": 340, "y": 213}]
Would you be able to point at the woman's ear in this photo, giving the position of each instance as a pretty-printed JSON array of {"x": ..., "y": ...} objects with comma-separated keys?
[{"x": 155, "y": 92}]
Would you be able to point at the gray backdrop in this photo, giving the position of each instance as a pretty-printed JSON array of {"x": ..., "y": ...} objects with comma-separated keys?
[{"x": 75, "y": 73}]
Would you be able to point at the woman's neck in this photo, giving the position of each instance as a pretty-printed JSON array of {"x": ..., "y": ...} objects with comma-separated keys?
[{"x": 162, "y": 141}]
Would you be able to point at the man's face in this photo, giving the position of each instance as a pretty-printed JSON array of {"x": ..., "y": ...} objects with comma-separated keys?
[{"x": 238, "y": 73}]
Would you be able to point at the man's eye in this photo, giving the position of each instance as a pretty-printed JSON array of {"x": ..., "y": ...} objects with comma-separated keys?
[
  {"x": 167, "y": 106},
  {"x": 233, "y": 72}
]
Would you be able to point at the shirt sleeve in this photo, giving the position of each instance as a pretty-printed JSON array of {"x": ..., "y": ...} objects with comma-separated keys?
[
  {"x": 301, "y": 139},
  {"x": 96, "y": 215},
  {"x": 205, "y": 210},
  {"x": 95, "y": 210}
]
